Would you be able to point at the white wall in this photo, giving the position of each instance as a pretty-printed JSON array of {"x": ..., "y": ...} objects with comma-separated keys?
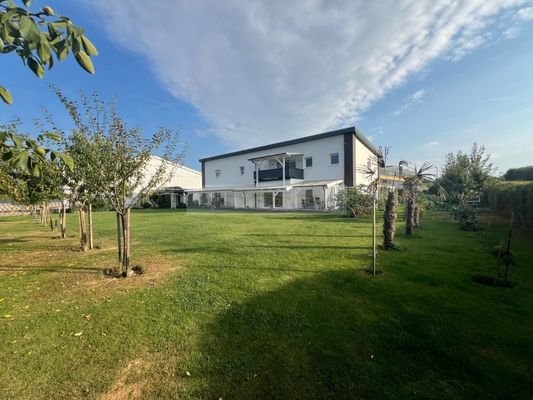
[
  {"x": 319, "y": 149},
  {"x": 176, "y": 175},
  {"x": 362, "y": 155}
]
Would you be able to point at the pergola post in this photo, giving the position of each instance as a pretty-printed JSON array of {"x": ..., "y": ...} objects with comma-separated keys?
[
  {"x": 283, "y": 169},
  {"x": 256, "y": 174}
]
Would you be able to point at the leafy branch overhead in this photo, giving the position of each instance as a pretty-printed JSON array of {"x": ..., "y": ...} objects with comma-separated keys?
[
  {"x": 37, "y": 37},
  {"x": 29, "y": 155}
]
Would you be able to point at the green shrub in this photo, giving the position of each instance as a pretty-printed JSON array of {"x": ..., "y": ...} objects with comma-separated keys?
[
  {"x": 355, "y": 201},
  {"x": 508, "y": 197},
  {"x": 467, "y": 218}
]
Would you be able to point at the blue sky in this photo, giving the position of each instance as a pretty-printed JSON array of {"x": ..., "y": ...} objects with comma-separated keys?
[{"x": 423, "y": 77}]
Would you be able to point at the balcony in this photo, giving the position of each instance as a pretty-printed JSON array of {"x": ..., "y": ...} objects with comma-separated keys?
[{"x": 276, "y": 174}]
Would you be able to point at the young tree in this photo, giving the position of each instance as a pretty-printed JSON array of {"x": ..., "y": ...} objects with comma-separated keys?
[
  {"x": 36, "y": 36},
  {"x": 466, "y": 174},
  {"x": 121, "y": 161}
]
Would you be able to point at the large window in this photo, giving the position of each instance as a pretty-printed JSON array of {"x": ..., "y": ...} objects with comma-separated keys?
[
  {"x": 268, "y": 199},
  {"x": 334, "y": 158},
  {"x": 308, "y": 162}
]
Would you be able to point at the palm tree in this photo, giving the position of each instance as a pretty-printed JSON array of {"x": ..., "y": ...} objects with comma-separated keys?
[
  {"x": 390, "y": 215},
  {"x": 411, "y": 185},
  {"x": 389, "y": 220}
]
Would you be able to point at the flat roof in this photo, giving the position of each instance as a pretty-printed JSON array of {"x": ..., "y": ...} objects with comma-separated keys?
[
  {"x": 351, "y": 129},
  {"x": 277, "y": 155}
]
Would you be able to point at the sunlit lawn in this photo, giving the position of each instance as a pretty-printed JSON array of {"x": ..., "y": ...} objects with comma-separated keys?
[{"x": 257, "y": 305}]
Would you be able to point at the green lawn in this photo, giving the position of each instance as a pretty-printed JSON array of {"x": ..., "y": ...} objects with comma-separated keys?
[{"x": 262, "y": 306}]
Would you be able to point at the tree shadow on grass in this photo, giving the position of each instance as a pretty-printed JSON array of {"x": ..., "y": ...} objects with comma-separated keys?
[
  {"x": 307, "y": 246},
  {"x": 289, "y": 235},
  {"x": 337, "y": 335},
  {"x": 12, "y": 240},
  {"x": 39, "y": 269}
]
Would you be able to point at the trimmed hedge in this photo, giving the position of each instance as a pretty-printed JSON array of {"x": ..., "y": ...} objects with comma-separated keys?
[{"x": 507, "y": 197}]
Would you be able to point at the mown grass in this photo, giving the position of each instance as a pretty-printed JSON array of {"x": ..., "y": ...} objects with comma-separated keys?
[{"x": 268, "y": 306}]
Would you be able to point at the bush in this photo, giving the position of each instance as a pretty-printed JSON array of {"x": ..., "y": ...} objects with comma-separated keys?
[
  {"x": 160, "y": 200},
  {"x": 355, "y": 201},
  {"x": 147, "y": 204},
  {"x": 467, "y": 218},
  {"x": 100, "y": 205}
]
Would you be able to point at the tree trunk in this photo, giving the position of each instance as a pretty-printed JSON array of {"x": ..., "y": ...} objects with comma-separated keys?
[
  {"x": 43, "y": 214},
  {"x": 63, "y": 220},
  {"x": 119, "y": 241},
  {"x": 417, "y": 216},
  {"x": 409, "y": 218},
  {"x": 125, "y": 242},
  {"x": 374, "y": 252},
  {"x": 389, "y": 221},
  {"x": 83, "y": 232},
  {"x": 90, "y": 225}
]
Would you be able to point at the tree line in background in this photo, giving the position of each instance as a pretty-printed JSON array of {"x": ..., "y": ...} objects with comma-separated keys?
[{"x": 519, "y": 174}]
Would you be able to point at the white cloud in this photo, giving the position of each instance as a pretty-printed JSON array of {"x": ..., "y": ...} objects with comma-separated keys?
[
  {"x": 432, "y": 143},
  {"x": 525, "y": 13},
  {"x": 269, "y": 70},
  {"x": 414, "y": 98}
]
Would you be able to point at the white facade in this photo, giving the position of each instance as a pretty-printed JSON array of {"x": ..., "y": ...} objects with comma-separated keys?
[
  {"x": 176, "y": 175},
  {"x": 319, "y": 150},
  {"x": 303, "y": 173}
]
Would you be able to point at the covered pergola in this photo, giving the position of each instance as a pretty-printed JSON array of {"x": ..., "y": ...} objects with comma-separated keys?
[{"x": 280, "y": 158}]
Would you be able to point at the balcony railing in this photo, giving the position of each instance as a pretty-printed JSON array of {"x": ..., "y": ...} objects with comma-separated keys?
[{"x": 277, "y": 174}]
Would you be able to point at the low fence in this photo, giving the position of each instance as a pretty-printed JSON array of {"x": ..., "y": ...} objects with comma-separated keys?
[{"x": 10, "y": 209}]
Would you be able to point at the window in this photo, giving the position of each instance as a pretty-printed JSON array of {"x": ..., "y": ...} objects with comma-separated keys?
[
  {"x": 308, "y": 162},
  {"x": 218, "y": 173},
  {"x": 242, "y": 170},
  {"x": 268, "y": 199},
  {"x": 334, "y": 158}
]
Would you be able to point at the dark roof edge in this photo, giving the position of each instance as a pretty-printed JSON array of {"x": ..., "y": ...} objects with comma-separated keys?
[{"x": 342, "y": 131}]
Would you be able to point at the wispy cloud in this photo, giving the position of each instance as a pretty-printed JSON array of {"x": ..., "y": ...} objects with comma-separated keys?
[
  {"x": 269, "y": 70},
  {"x": 414, "y": 98},
  {"x": 432, "y": 143},
  {"x": 525, "y": 13}
]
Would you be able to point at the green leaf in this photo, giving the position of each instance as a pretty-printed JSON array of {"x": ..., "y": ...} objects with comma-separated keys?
[
  {"x": 76, "y": 30},
  {"x": 89, "y": 47},
  {"x": 27, "y": 3},
  {"x": 5, "y": 95},
  {"x": 85, "y": 61},
  {"x": 43, "y": 50},
  {"x": 17, "y": 140},
  {"x": 67, "y": 160},
  {"x": 36, "y": 67},
  {"x": 23, "y": 160},
  {"x": 61, "y": 50},
  {"x": 52, "y": 31},
  {"x": 53, "y": 136}
]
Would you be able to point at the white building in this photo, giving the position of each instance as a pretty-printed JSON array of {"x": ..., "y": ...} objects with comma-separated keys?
[
  {"x": 177, "y": 179},
  {"x": 303, "y": 173}
]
